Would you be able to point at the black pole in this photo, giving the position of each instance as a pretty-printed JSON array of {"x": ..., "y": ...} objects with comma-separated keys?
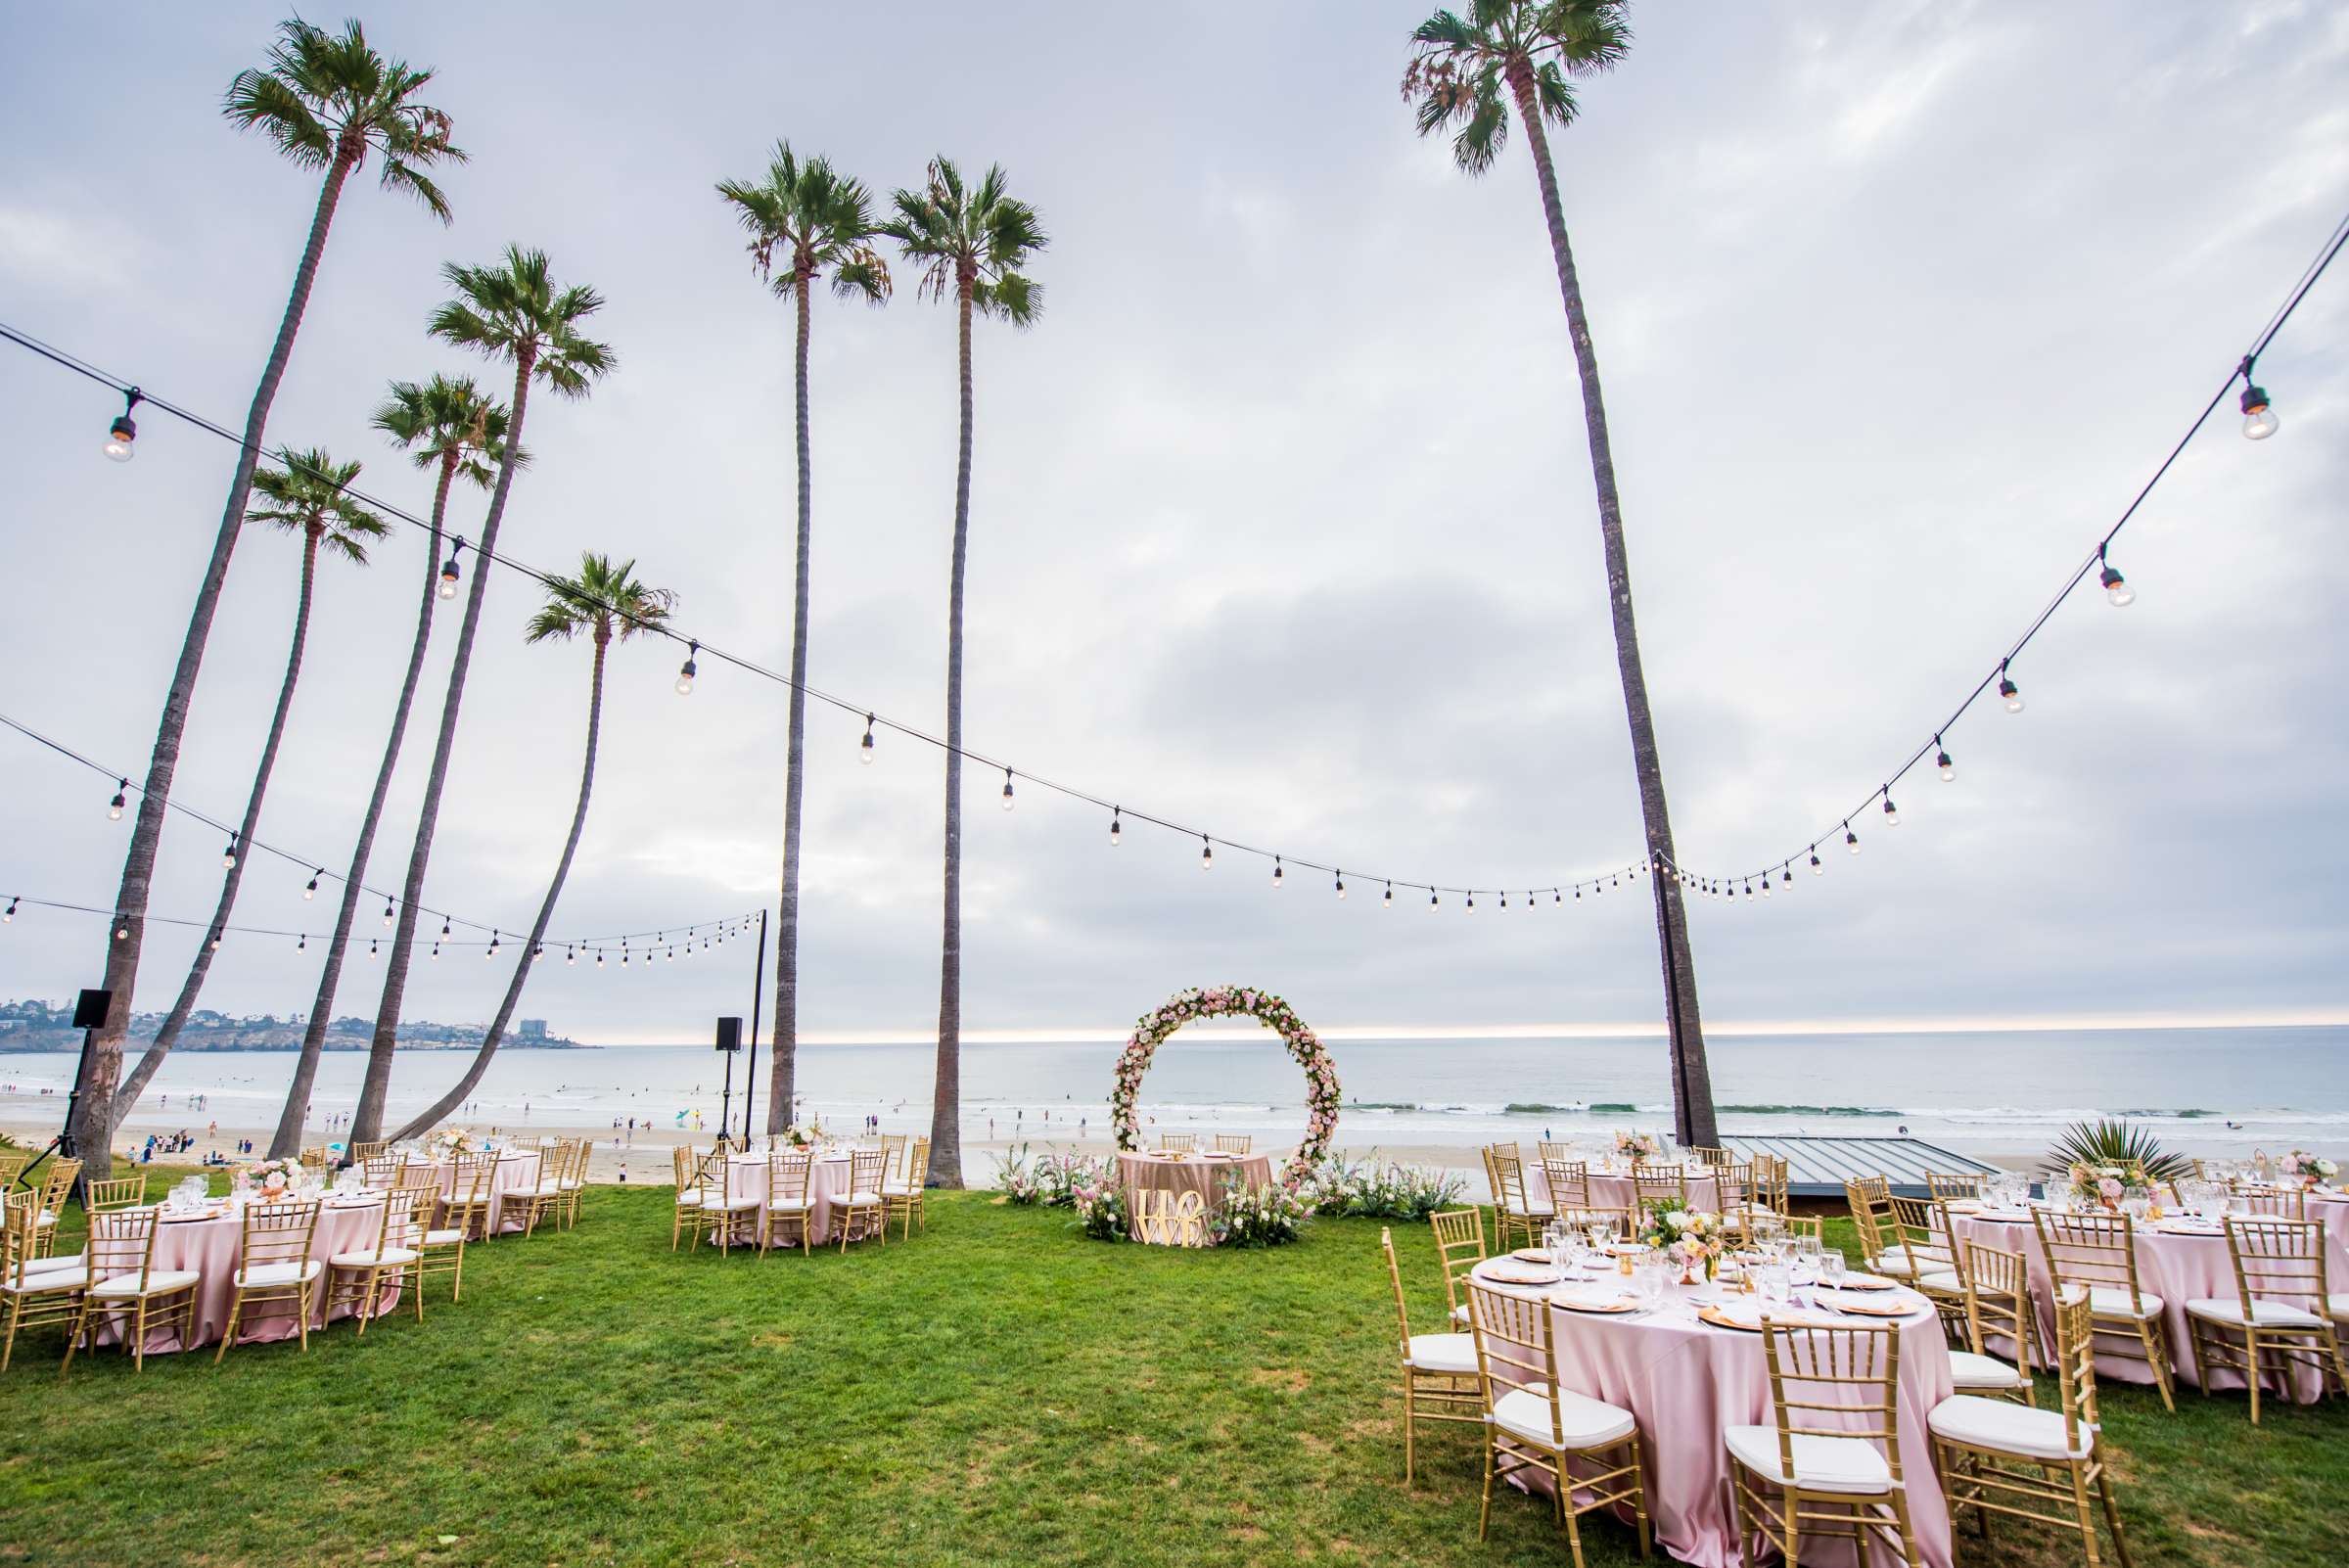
[
  {"x": 750, "y": 1084},
  {"x": 725, "y": 1103}
]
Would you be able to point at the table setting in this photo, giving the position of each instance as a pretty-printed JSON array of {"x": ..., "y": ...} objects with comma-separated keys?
[{"x": 1204, "y": 1171}]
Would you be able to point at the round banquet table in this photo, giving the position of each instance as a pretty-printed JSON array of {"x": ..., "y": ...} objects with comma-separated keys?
[
  {"x": 1685, "y": 1382},
  {"x": 1199, "y": 1171},
  {"x": 517, "y": 1168},
  {"x": 827, "y": 1186},
  {"x": 2180, "y": 1259},
  {"x": 1610, "y": 1190},
  {"x": 213, "y": 1247}
]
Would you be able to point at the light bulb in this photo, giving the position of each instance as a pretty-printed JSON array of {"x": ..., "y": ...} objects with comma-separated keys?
[
  {"x": 311, "y": 891},
  {"x": 864, "y": 746},
  {"x": 2011, "y": 694},
  {"x": 1817, "y": 869},
  {"x": 1949, "y": 770},
  {"x": 1851, "y": 840},
  {"x": 1207, "y": 853},
  {"x": 370, "y": 946},
  {"x": 1765, "y": 884},
  {"x": 1472, "y": 904},
  {"x": 1892, "y": 813},
  {"x": 122, "y": 932},
  {"x": 449, "y": 578},
  {"x": 1007, "y": 803},
  {"x": 10, "y": 913},
  {"x": 113, "y": 808},
  {"x": 1786, "y": 875},
  {"x": 1341, "y": 883},
  {"x": 1504, "y": 901},
  {"x": 386, "y": 911},
  {"x": 2116, "y": 588},
  {"x": 436, "y": 951},
  {"x": 685, "y": 679},
  {"x": 1276, "y": 882},
  {"x": 1114, "y": 828},
  {"x": 1431, "y": 900},
  {"x": 124, "y": 430},
  {"x": 571, "y": 955},
  {"x": 304, "y": 946},
  {"x": 599, "y": 957},
  {"x": 228, "y": 856},
  {"x": 2259, "y": 420},
  {"x": 1556, "y": 897}
]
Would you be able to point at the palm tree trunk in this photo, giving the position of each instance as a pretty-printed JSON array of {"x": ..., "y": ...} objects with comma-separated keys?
[
  {"x": 785, "y": 1066},
  {"x": 287, "y": 1140},
  {"x": 523, "y": 963},
  {"x": 1691, "y": 1080},
  {"x": 193, "y": 987},
  {"x": 945, "y": 1097},
  {"x": 93, "y": 1118},
  {"x": 367, "y": 1121}
]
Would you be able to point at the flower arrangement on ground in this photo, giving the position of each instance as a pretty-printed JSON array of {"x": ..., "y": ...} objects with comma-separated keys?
[
  {"x": 1694, "y": 1238},
  {"x": 1266, "y": 1216},
  {"x": 1052, "y": 1181},
  {"x": 1321, "y": 1095},
  {"x": 1637, "y": 1146},
  {"x": 1364, "y": 1191},
  {"x": 1100, "y": 1211},
  {"x": 2310, "y": 1168}
]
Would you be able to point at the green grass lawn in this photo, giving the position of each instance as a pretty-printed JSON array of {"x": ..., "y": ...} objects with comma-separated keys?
[{"x": 998, "y": 1392}]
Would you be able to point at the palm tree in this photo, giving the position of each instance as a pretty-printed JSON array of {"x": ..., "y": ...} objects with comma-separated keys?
[
  {"x": 970, "y": 244},
  {"x": 511, "y": 310},
  {"x": 447, "y": 425},
  {"x": 326, "y": 100},
  {"x": 303, "y": 495},
  {"x": 1465, "y": 75},
  {"x": 817, "y": 222},
  {"x": 608, "y": 604}
]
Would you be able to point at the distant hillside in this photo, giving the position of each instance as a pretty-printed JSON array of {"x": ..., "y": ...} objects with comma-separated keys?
[{"x": 38, "y": 1026}]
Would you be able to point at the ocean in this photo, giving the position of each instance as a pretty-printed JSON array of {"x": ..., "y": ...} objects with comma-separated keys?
[{"x": 2209, "y": 1091}]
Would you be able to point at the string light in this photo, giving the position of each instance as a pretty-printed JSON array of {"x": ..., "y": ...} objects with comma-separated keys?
[
  {"x": 2009, "y": 692},
  {"x": 2259, "y": 420},
  {"x": 10, "y": 913},
  {"x": 304, "y": 946},
  {"x": 1472, "y": 904},
  {"x": 1817, "y": 869},
  {"x": 124, "y": 430},
  {"x": 686, "y": 670},
  {"x": 122, "y": 931},
  {"x": 1851, "y": 840},
  {"x": 436, "y": 951},
  {"x": 2116, "y": 587},
  {"x": 1114, "y": 826},
  {"x": 599, "y": 957},
  {"x": 1007, "y": 789},
  {"x": 1277, "y": 884},
  {"x": 864, "y": 747},
  {"x": 311, "y": 892},
  {"x": 448, "y": 571},
  {"x": 1892, "y": 813},
  {"x": 387, "y": 916},
  {"x": 492, "y": 953},
  {"x": 444, "y": 933},
  {"x": 1431, "y": 900},
  {"x": 1941, "y": 760},
  {"x": 228, "y": 856},
  {"x": 1504, "y": 899},
  {"x": 113, "y": 808},
  {"x": 1207, "y": 853},
  {"x": 571, "y": 955},
  {"x": 370, "y": 946},
  {"x": 1341, "y": 883}
]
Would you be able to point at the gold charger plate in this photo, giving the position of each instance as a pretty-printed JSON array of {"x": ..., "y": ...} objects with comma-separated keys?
[
  {"x": 1607, "y": 1307},
  {"x": 1877, "y": 1308},
  {"x": 1866, "y": 1282}
]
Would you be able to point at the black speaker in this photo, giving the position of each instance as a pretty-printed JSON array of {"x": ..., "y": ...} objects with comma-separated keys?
[
  {"x": 90, "y": 1012},
  {"x": 729, "y": 1033}
]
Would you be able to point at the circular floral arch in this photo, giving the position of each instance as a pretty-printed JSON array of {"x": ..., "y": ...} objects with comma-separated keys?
[{"x": 1227, "y": 1002}]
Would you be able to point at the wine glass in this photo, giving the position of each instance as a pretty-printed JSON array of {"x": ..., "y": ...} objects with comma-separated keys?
[{"x": 1830, "y": 1270}]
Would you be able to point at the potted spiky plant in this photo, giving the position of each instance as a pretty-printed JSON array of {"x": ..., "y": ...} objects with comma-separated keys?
[{"x": 2106, "y": 1162}]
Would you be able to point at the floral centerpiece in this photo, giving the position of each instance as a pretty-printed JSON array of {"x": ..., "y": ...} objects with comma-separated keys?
[
  {"x": 2109, "y": 1183},
  {"x": 1637, "y": 1146},
  {"x": 806, "y": 1135},
  {"x": 451, "y": 1141},
  {"x": 1266, "y": 1216},
  {"x": 271, "y": 1181},
  {"x": 2310, "y": 1168},
  {"x": 1321, "y": 1096},
  {"x": 1694, "y": 1238}
]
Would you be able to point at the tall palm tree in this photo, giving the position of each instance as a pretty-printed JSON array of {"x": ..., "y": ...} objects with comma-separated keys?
[
  {"x": 326, "y": 100},
  {"x": 303, "y": 495},
  {"x": 446, "y": 424},
  {"x": 608, "y": 604},
  {"x": 817, "y": 224},
  {"x": 970, "y": 244},
  {"x": 511, "y": 310},
  {"x": 1466, "y": 73}
]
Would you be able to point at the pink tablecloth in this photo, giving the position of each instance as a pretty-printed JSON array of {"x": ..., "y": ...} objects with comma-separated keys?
[
  {"x": 1203, "y": 1173},
  {"x": 1609, "y": 1191},
  {"x": 517, "y": 1168},
  {"x": 213, "y": 1248},
  {"x": 1685, "y": 1382},
  {"x": 2177, "y": 1268},
  {"x": 827, "y": 1185}
]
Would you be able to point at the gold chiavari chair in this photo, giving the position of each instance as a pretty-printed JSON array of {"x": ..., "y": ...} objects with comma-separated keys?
[
  {"x": 1870, "y": 1200},
  {"x": 1620, "y": 1224},
  {"x": 1235, "y": 1143},
  {"x": 1657, "y": 1183},
  {"x": 275, "y": 1271},
  {"x": 380, "y": 1171},
  {"x": 1998, "y": 1306},
  {"x": 1733, "y": 1196},
  {"x": 362, "y": 1276},
  {"x": 1965, "y": 1188},
  {"x": 1997, "y": 1457},
  {"x": 1703, "y": 1155},
  {"x": 544, "y": 1198},
  {"x": 2098, "y": 1254},
  {"x": 1439, "y": 1370},
  {"x": 124, "y": 1279},
  {"x": 1769, "y": 1184},
  {"x": 1552, "y": 1149},
  {"x": 56, "y": 1186},
  {"x": 574, "y": 1182},
  {"x": 1568, "y": 1182},
  {"x": 1806, "y": 1225},
  {"x": 2274, "y": 1203},
  {"x": 893, "y": 1151},
  {"x": 366, "y": 1149},
  {"x": 12, "y": 1166},
  {"x": 1931, "y": 1248},
  {"x": 1459, "y": 1248},
  {"x": 318, "y": 1158},
  {"x": 729, "y": 1198},
  {"x": 2278, "y": 1320},
  {"x": 788, "y": 1204},
  {"x": 1178, "y": 1140},
  {"x": 473, "y": 1200},
  {"x": 1515, "y": 1210},
  {"x": 903, "y": 1197},
  {"x": 466, "y": 1203},
  {"x": 1532, "y": 1423},
  {"x": 1830, "y": 1463},
  {"x": 687, "y": 1200},
  {"x": 36, "y": 1292},
  {"x": 863, "y": 1213},
  {"x": 121, "y": 1192}
]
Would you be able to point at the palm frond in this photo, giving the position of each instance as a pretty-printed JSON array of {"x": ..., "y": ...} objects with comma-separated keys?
[{"x": 2114, "y": 1142}]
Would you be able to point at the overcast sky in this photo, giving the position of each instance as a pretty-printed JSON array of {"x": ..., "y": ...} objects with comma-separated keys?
[{"x": 1281, "y": 518}]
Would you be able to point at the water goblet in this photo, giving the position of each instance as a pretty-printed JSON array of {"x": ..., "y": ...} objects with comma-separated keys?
[{"x": 1830, "y": 1270}]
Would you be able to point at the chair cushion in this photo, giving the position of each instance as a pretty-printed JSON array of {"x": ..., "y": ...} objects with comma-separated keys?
[
  {"x": 2112, "y": 1301},
  {"x": 1969, "y": 1370},
  {"x": 2007, "y": 1426},
  {"x": 898, "y": 1190},
  {"x": 277, "y": 1273},
  {"x": 1529, "y": 1209},
  {"x": 1895, "y": 1260},
  {"x": 1459, "y": 1314},
  {"x": 569, "y": 1185},
  {"x": 690, "y": 1198},
  {"x": 862, "y": 1200},
  {"x": 442, "y": 1238},
  {"x": 1584, "y": 1423},
  {"x": 789, "y": 1205},
  {"x": 159, "y": 1282},
  {"x": 734, "y": 1204},
  {"x": 2263, "y": 1313},
  {"x": 1943, "y": 1281},
  {"x": 389, "y": 1258},
  {"x": 1444, "y": 1352},
  {"x": 44, "y": 1280},
  {"x": 63, "y": 1260},
  {"x": 1851, "y": 1466},
  {"x": 545, "y": 1189}
]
